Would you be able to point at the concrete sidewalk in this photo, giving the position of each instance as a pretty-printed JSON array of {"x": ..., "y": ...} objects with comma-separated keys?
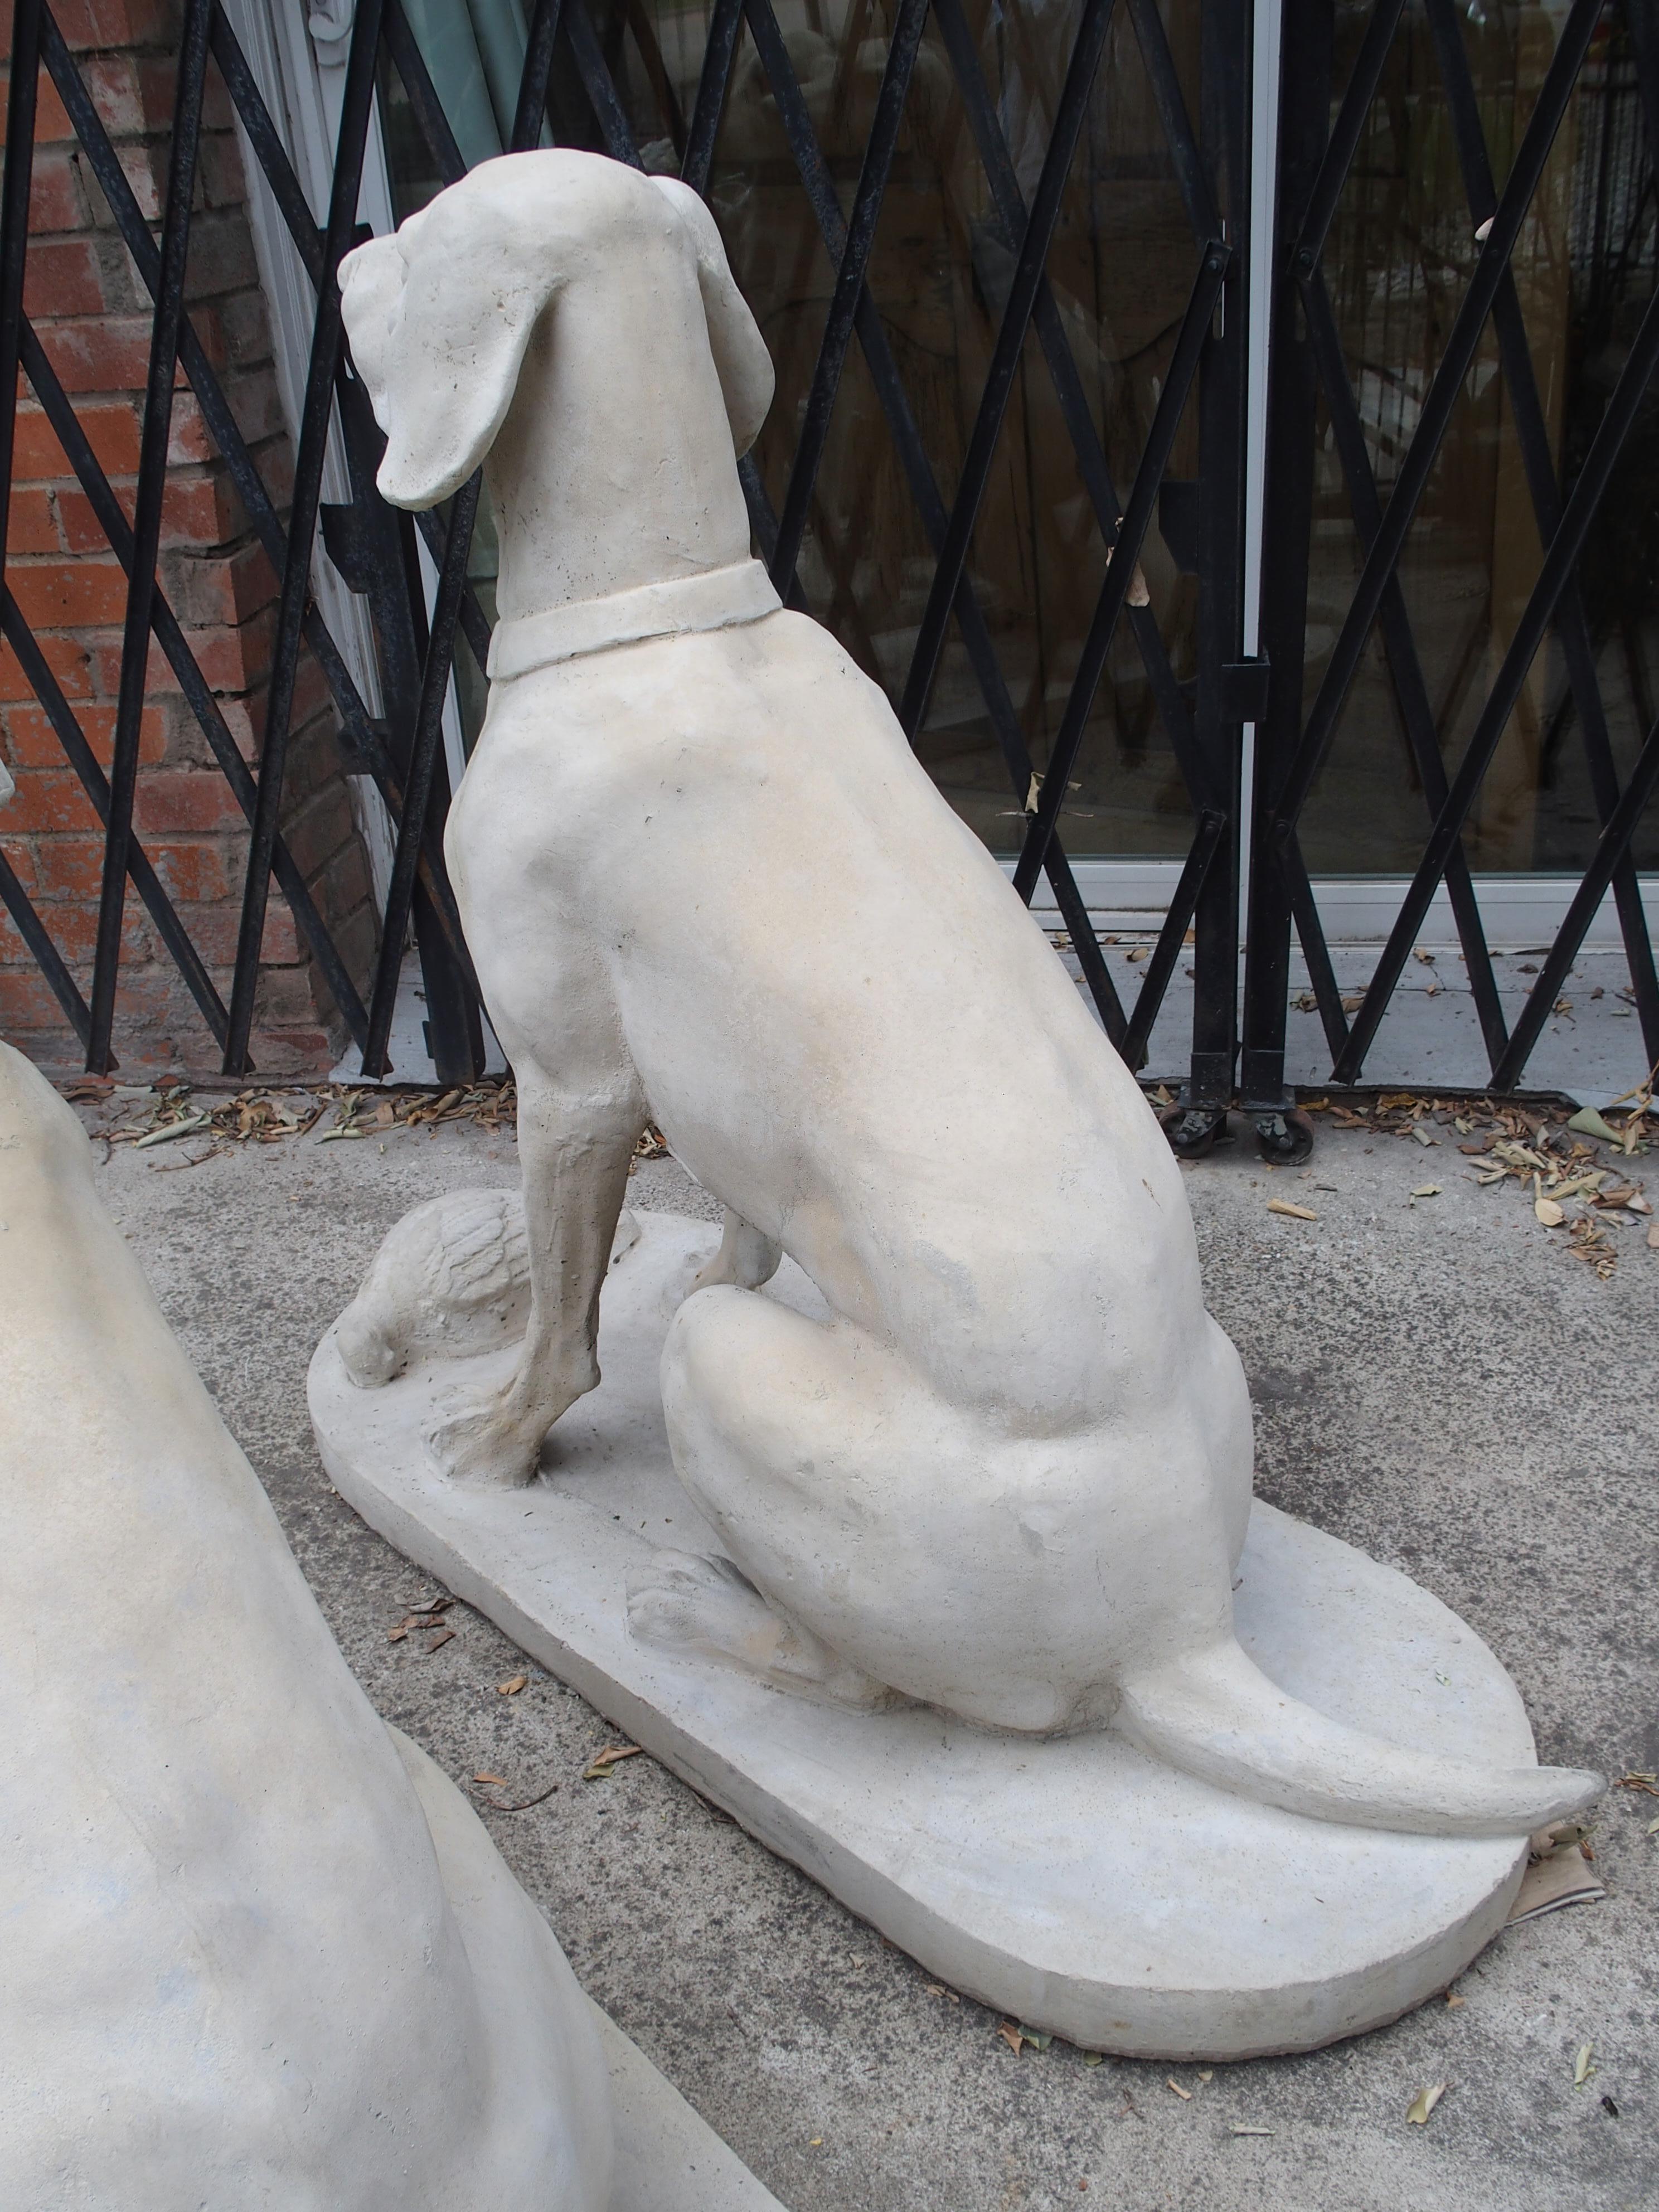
[{"x": 1437, "y": 1380}]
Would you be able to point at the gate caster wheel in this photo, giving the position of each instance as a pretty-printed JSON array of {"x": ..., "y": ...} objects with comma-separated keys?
[
  {"x": 1284, "y": 1139},
  {"x": 1192, "y": 1130}
]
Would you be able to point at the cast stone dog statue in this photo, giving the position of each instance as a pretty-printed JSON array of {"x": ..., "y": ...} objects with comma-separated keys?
[{"x": 705, "y": 880}]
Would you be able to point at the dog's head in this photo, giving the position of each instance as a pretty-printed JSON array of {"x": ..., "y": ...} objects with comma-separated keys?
[{"x": 439, "y": 314}]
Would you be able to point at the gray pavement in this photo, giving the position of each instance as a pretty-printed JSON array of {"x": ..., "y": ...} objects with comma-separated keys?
[{"x": 1436, "y": 1379}]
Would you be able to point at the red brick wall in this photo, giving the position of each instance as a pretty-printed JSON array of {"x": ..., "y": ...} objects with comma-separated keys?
[{"x": 93, "y": 316}]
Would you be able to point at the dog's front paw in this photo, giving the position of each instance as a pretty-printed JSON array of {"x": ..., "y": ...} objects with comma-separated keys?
[{"x": 480, "y": 1439}]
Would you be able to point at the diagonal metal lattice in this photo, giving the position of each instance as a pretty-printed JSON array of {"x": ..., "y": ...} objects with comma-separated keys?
[
  {"x": 1318, "y": 155},
  {"x": 402, "y": 751}
]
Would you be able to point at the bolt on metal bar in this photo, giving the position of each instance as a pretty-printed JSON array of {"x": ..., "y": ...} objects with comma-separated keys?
[
  {"x": 1045, "y": 203},
  {"x": 1439, "y": 401},
  {"x": 1563, "y": 552},
  {"x": 429, "y": 736},
  {"x": 1154, "y": 461},
  {"x": 901, "y": 50},
  {"x": 1611, "y": 848},
  {"x": 112, "y": 520},
  {"x": 359, "y": 93},
  {"x": 147, "y": 529}
]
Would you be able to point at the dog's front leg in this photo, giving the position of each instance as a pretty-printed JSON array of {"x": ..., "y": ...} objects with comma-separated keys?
[{"x": 575, "y": 1147}]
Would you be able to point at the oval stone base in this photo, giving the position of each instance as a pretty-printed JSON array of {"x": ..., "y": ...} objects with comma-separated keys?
[{"x": 1077, "y": 1885}]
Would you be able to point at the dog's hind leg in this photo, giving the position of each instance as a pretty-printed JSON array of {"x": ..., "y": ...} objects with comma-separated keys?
[{"x": 747, "y": 1257}]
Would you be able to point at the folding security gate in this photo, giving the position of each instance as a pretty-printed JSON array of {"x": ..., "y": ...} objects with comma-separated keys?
[{"x": 911, "y": 506}]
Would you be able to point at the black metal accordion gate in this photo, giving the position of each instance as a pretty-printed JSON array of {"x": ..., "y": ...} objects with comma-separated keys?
[{"x": 1024, "y": 128}]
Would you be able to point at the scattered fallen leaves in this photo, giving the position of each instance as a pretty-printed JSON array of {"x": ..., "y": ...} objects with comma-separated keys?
[
  {"x": 1583, "y": 2064},
  {"x": 499, "y": 1781},
  {"x": 1426, "y": 1190},
  {"x": 1417, "y": 2113},
  {"x": 1282, "y": 1206},
  {"x": 1453, "y": 2001},
  {"x": 436, "y": 1642},
  {"x": 1011, "y": 2035},
  {"x": 939, "y": 1989},
  {"x": 512, "y": 1687},
  {"x": 1649, "y": 1783},
  {"x": 1185, "y": 2095},
  {"x": 1544, "y": 1152},
  {"x": 172, "y": 1108}
]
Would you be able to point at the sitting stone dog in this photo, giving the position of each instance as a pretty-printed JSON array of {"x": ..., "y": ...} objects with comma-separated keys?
[{"x": 704, "y": 879}]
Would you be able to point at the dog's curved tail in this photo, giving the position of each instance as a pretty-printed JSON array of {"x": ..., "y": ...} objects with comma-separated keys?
[{"x": 1214, "y": 1715}]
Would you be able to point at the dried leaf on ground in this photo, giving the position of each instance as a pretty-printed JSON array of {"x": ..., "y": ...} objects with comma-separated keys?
[
  {"x": 1548, "y": 1213},
  {"x": 498, "y": 1780},
  {"x": 1416, "y": 2113},
  {"x": 1588, "y": 1123},
  {"x": 511, "y": 1689},
  {"x": 604, "y": 1764},
  {"x": 1185, "y": 2095},
  {"x": 1583, "y": 2064},
  {"x": 1282, "y": 1206},
  {"x": 1426, "y": 1190}
]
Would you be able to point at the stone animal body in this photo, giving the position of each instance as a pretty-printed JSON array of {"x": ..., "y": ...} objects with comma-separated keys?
[
  {"x": 703, "y": 876},
  {"x": 256, "y": 1951}
]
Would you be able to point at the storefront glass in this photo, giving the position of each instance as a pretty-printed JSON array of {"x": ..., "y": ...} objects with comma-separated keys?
[{"x": 1399, "y": 256}]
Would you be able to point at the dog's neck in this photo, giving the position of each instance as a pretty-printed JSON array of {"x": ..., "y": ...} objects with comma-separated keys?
[{"x": 613, "y": 469}]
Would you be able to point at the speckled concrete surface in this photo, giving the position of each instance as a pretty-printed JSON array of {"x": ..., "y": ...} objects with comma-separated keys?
[{"x": 1436, "y": 1381}]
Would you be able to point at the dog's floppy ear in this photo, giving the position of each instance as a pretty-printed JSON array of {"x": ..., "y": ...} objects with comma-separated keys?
[
  {"x": 439, "y": 316},
  {"x": 741, "y": 359}
]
